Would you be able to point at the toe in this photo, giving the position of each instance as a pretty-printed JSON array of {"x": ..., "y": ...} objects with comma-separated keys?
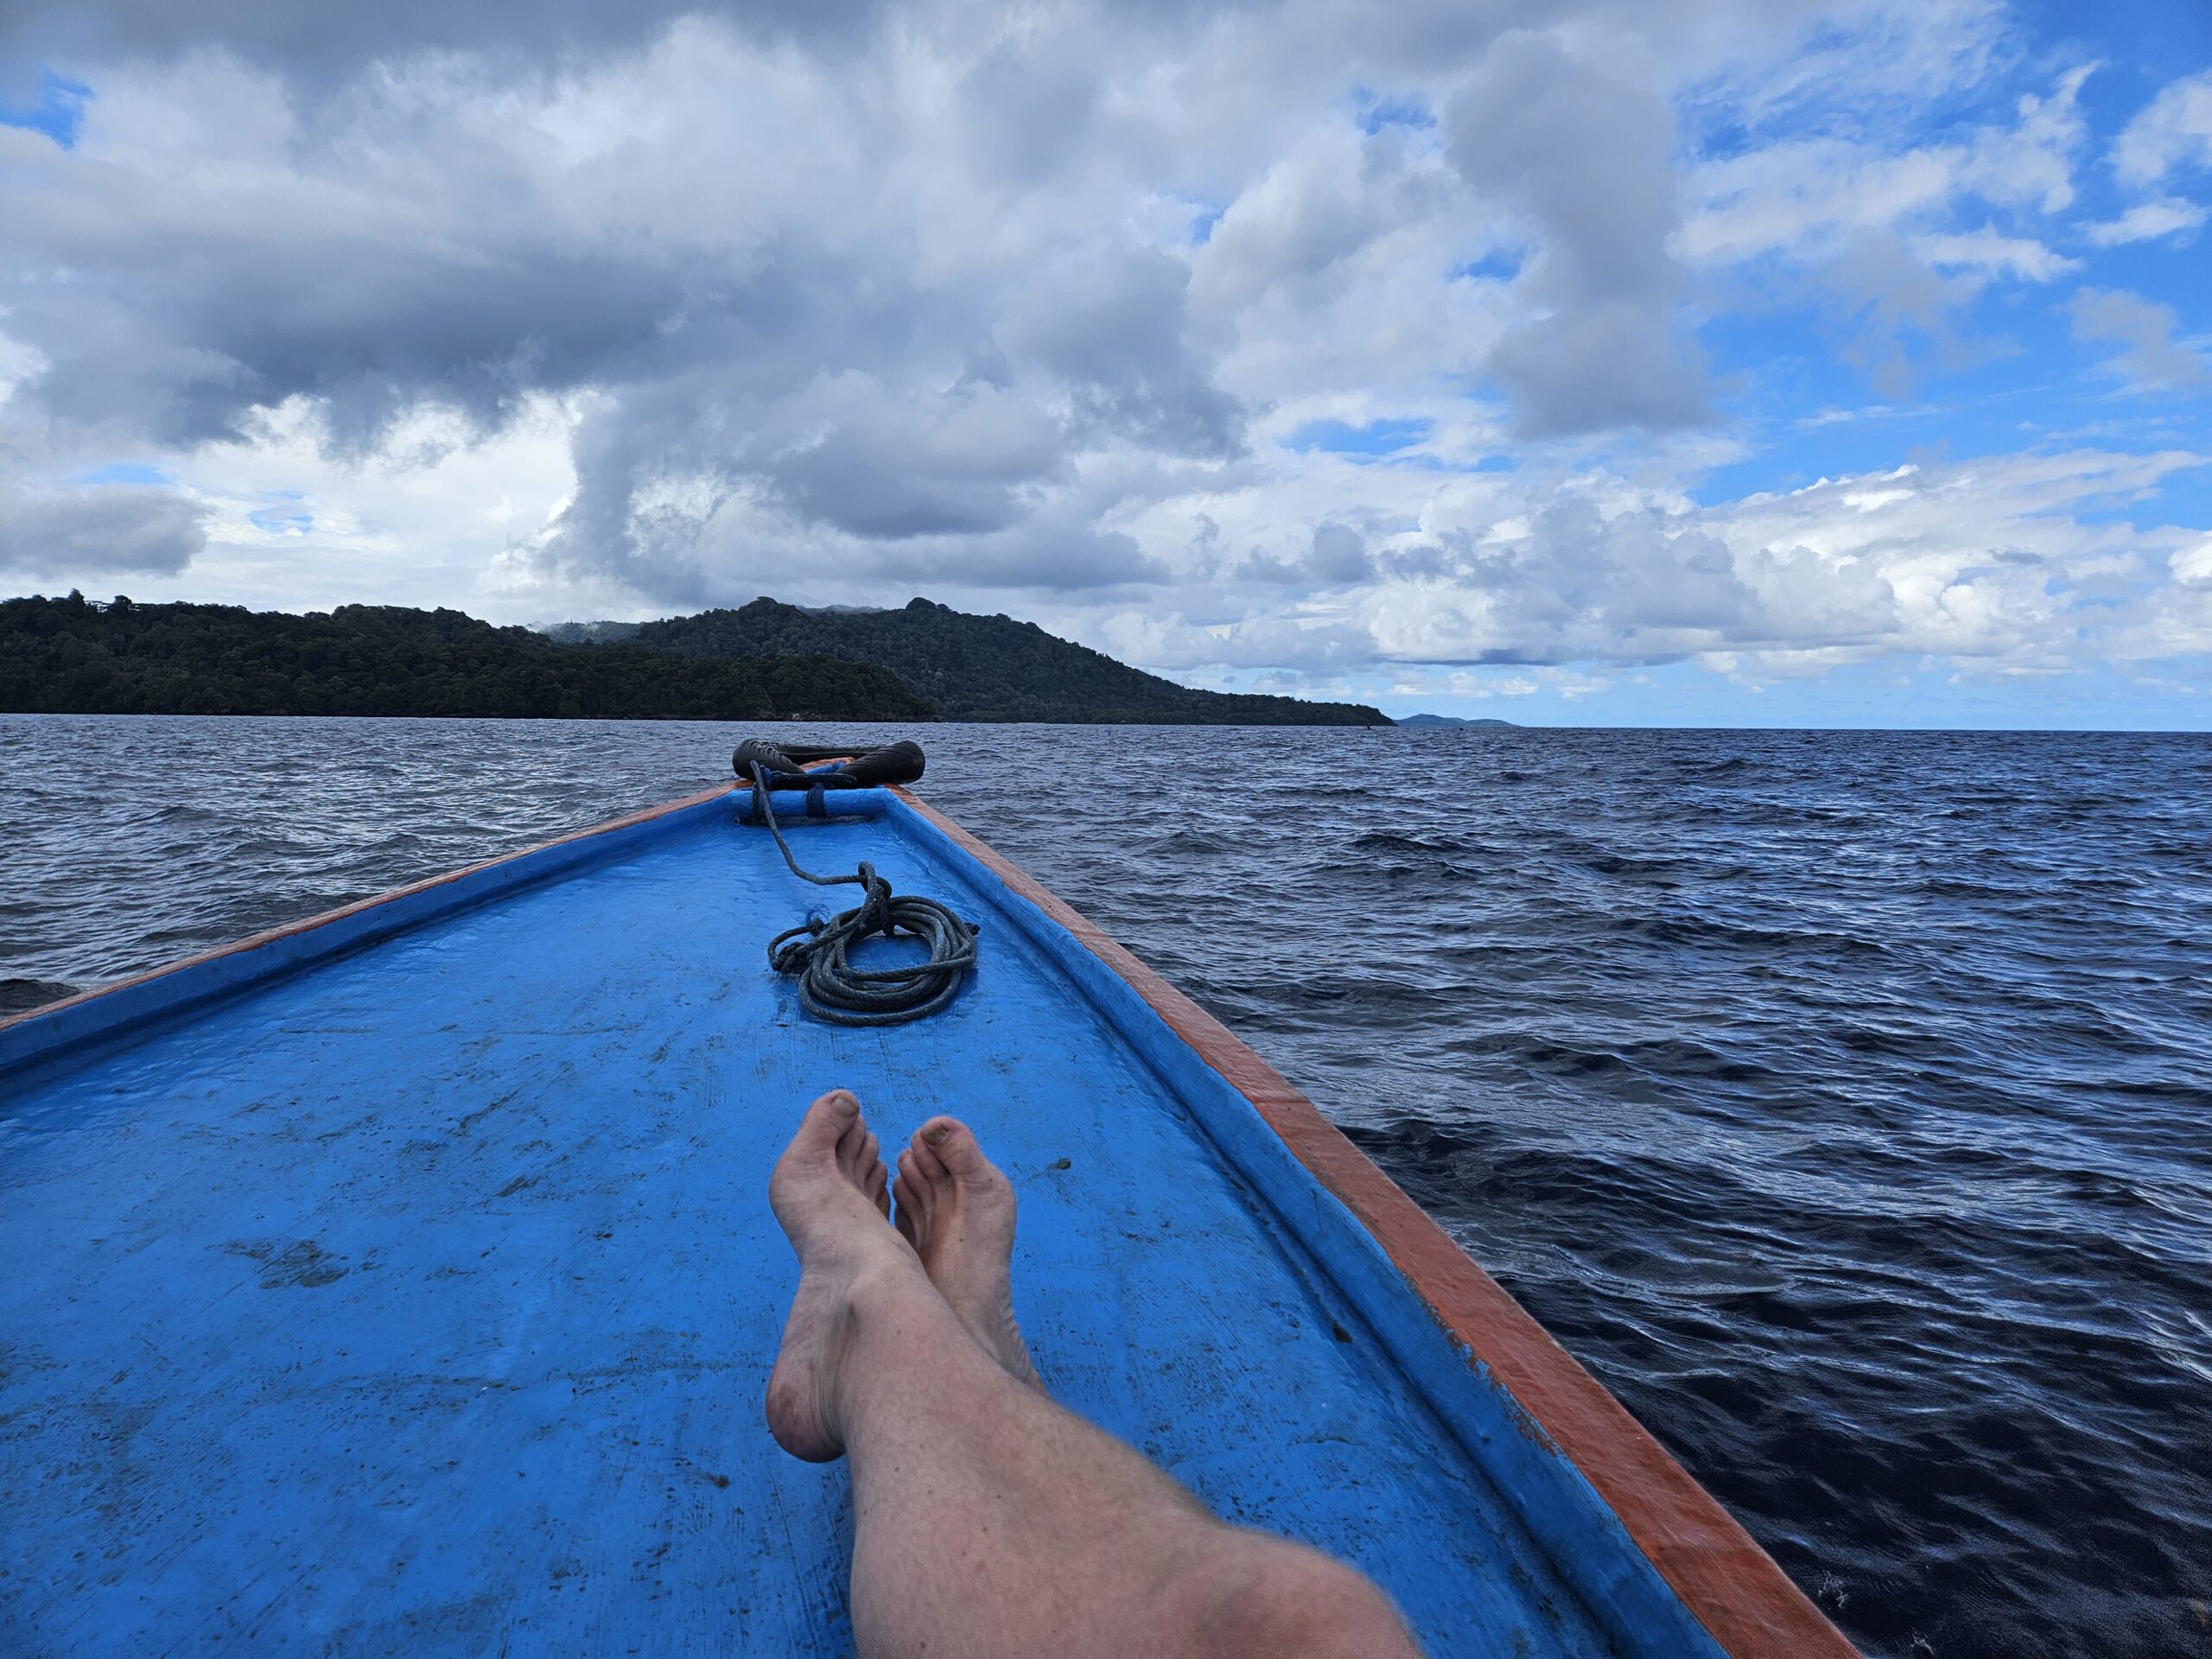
[
  {"x": 953, "y": 1144},
  {"x": 827, "y": 1119},
  {"x": 913, "y": 1188},
  {"x": 922, "y": 1162}
]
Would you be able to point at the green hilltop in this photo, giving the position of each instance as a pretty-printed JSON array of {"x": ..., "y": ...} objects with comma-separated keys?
[{"x": 765, "y": 661}]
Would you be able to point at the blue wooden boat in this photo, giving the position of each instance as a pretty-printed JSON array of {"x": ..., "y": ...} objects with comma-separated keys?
[{"x": 403, "y": 1281}]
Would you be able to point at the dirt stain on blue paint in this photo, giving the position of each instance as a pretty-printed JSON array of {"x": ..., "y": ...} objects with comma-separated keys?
[{"x": 289, "y": 1262}]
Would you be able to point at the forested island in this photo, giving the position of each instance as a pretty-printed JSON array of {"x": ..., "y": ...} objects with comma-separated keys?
[
  {"x": 765, "y": 661},
  {"x": 69, "y": 655}
]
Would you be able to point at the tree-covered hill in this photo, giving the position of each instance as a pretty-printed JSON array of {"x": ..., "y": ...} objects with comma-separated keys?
[
  {"x": 765, "y": 661},
  {"x": 67, "y": 655},
  {"x": 983, "y": 667}
]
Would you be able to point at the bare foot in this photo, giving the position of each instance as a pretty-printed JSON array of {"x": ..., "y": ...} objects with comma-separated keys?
[
  {"x": 829, "y": 1193},
  {"x": 957, "y": 1209}
]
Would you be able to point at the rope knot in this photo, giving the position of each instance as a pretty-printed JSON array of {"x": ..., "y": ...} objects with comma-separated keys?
[{"x": 875, "y": 910}]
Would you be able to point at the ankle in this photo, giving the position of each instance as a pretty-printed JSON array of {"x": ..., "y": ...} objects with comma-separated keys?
[
  {"x": 883, "y": 1287},
  {"x": 901, "y": 1327}
]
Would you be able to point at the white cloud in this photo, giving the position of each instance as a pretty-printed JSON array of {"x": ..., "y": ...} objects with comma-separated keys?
[
  {"x": 19, "y": 364},
  {"x": 2009, "y": 559},
  {"x": 2014, "y": 560},
  {"x": 1809, "y": 196},
  {"x": 2151, "y": 356},
  {"x": 1893, "y": 238},
  {"x": 1992, "y": 254},
  {"x": 2146, "y": 221},
  {"x": 1480, "y": 687},
  {"x": 2173, "y": 132},
  {"x": 2192, "y": 566}
]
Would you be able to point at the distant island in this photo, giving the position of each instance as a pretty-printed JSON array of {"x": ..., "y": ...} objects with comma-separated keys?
[
  {"x": 766, "y": 661},
  {"x": 1419, "y": 721}
]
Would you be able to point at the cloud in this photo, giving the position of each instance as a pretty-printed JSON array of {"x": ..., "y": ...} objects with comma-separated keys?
[
  {"x": 2151, "y": 357},
  {"x": 742, "y": 341},
  {"x": 1114, "y": 334},
  {"x": 886, "y": 468},
  {"x": 20, "y": 364},
  {"x": 1805, "y": 192},
  {"x": 1987, "y": 253},
  {"x": 1587, "y": 158},
  {"x": 2147, "y": 221},
  {"x": 1895, "y": 241},
  {"x": 2026, "y": 561},
  {"x": 322, "y": 45},
  {"x": 2192, "y": 566},
  {"x": 2172, "y": 132},
  {"x": 1582, "y": 579},
  {"x": 109, "y": 528},
  {"x": 1336, "y": 558}
]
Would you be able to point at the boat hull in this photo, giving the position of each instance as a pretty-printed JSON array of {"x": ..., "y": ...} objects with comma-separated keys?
[{"x": 405, "y": 1281}]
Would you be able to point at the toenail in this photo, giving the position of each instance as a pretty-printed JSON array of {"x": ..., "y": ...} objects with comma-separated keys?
[{"x": 936, "y": 1136}]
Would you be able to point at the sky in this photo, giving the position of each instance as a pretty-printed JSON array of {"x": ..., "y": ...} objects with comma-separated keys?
[{"x": 1596, "y": 362}]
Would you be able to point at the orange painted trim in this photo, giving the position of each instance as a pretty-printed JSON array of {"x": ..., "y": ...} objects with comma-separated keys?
[
  {"x": 1731, "y": 1585},
  {"x": 308, "y": 924}
]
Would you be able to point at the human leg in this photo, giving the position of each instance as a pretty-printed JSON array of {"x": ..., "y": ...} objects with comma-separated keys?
[{"x": 989, "y": 1520}]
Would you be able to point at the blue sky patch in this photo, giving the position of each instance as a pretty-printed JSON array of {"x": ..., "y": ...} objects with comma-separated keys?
[
  {"x": 1500, "y": 265},
  {"x": 124, "y": 471},
  {"x": 59, "y": 113},
  {"x": 1373, "y": 440},
  {"x": 1376, "y": 112},
  {"x": 286, "y": 516}
]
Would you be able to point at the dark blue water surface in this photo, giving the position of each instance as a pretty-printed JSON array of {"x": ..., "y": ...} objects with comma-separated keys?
[{"x": 1843, "y": 1100}]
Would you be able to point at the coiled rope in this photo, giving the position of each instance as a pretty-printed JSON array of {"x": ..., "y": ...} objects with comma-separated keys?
[{"x": 830, "y": 987}]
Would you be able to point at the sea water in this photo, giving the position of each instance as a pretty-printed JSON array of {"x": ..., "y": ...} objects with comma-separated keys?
[{"x": 1843, "y": 1100}]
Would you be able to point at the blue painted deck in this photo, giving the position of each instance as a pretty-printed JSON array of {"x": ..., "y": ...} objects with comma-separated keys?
[{"x": 422, "y": 1300}]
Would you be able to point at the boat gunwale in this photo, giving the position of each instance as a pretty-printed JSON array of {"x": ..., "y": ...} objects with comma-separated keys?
[{"x": 1728, "y": 1584}]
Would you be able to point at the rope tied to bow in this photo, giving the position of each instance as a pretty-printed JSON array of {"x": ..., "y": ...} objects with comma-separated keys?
[{"x": 818, "y": 950}]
